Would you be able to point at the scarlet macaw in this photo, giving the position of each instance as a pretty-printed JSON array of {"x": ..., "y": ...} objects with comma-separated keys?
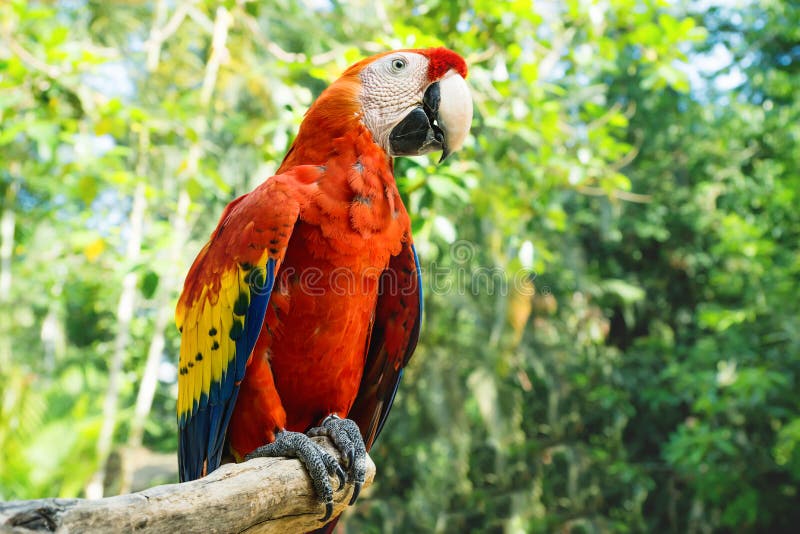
[{"x": 299, "y": 314}]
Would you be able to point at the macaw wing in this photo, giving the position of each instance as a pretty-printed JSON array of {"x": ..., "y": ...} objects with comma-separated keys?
[
  {"x": 395, "y": 331},
  {"x": 220, "y": 315}
]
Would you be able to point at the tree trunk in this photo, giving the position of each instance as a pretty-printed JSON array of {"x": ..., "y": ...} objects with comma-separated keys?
[
  {"x": 147, "y": 387},
  {"x": 125, "y": 310},
  {"x": 8, "y": 222}
]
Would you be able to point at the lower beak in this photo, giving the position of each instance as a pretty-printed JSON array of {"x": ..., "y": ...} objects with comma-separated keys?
[{"x": 441, "y": 123}]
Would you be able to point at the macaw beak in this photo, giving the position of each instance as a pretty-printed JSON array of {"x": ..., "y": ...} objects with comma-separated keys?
[{"x": 441, "y": 123}]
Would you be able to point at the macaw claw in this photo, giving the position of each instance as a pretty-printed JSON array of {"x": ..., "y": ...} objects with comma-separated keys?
[
  {"x": 319, "y": 463},
  {"x": 347, "y": 438}
]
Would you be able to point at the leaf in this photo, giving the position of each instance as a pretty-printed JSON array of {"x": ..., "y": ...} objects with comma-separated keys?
[
  {"x": 149, "y": 284},
  {"x": 627, "y": 292}
]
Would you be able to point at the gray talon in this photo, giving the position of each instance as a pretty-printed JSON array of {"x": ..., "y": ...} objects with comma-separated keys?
[
  {"x": 319, "y": 463},
  {"x": 356, "y": 491},
  {"x": 342, "y": 477},
  {"x": 347, "y": 438},
  {"x": 328, "y": 512}
]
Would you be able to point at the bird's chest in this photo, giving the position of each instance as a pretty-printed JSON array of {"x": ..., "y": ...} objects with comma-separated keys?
[
  {"x": 321, "y": 310},
  {"x": 355, "y": 220},
  {"x": 327, "y": 285},
  {"x": 321, "y": 317}
]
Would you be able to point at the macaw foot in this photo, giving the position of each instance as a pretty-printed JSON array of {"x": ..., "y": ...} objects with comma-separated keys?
[
  {"x": 319, "y": 463},
  {"x": 347, "y": 438}
]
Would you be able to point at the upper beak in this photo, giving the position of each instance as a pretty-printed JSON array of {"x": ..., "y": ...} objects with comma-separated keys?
[
  {"x": 455, "y": 112},
  {"x": 442, "y": 123}
]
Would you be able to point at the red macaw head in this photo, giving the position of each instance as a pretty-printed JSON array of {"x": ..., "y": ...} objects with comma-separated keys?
[
  {"x": 412, "y": 102},
  {"x": 415, "y": 101}
]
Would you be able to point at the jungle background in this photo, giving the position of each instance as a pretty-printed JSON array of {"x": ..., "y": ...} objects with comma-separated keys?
[{"x": 614, "y": 343}]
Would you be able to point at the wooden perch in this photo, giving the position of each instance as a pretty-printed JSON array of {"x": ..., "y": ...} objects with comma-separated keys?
[{"x": 264, "y": 495}]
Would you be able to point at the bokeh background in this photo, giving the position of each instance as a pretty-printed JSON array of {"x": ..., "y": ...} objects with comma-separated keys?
[{"x": 614, "y": 343}]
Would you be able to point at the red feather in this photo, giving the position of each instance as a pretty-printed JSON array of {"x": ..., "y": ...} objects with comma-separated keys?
[
  {"x": 321, "y": 309},
  {"x": 441, "y": 60}
]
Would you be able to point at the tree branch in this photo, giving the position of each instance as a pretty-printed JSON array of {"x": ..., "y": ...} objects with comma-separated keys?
[
  {"x": 31, "y": 60},
  {"x": 264, "y": 495},
  {"x": 617, "y": 194}
]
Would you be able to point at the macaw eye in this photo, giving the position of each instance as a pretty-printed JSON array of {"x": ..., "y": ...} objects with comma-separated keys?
[{"x": 398, "y": 64}]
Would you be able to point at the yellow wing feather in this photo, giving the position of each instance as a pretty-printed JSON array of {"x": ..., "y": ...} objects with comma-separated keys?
[
  {"x": 193, "y": 374},
  {"x": 204, "y": 349},
  {"x": 206, "y": 346},
  {"x": 182, "y": 393},
  {"x": 216, "y": 347}
]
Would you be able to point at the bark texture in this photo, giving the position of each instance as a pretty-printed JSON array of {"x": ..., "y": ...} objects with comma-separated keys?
[{"x": 264, "y": 495}]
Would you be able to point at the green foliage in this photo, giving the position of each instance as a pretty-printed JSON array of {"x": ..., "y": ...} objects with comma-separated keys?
[
  {"x": 611, "y": 339},
  {"x": 43, "y": 428}
]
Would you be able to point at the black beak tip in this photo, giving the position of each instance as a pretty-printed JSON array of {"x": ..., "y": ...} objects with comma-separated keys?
[{"x": 445, "y": 153}]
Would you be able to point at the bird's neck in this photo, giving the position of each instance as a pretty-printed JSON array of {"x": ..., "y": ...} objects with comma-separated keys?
[
  {"x": 355, "y": 192},
  {"x": 336, "y": 115},
  {"x": 320, "y": 144}
]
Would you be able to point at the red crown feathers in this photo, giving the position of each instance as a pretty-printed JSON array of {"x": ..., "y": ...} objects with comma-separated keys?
[{"x": 442, "y": 60}]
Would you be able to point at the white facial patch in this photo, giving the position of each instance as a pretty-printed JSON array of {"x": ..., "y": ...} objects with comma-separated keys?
[{"x": 392, "y": 87}]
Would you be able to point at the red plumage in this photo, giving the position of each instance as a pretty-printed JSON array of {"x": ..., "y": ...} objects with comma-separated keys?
[
  {"x": 441, "y": 60},
  {"x": 306, "y": 301},
  {"x": 321, "y": 308}
]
